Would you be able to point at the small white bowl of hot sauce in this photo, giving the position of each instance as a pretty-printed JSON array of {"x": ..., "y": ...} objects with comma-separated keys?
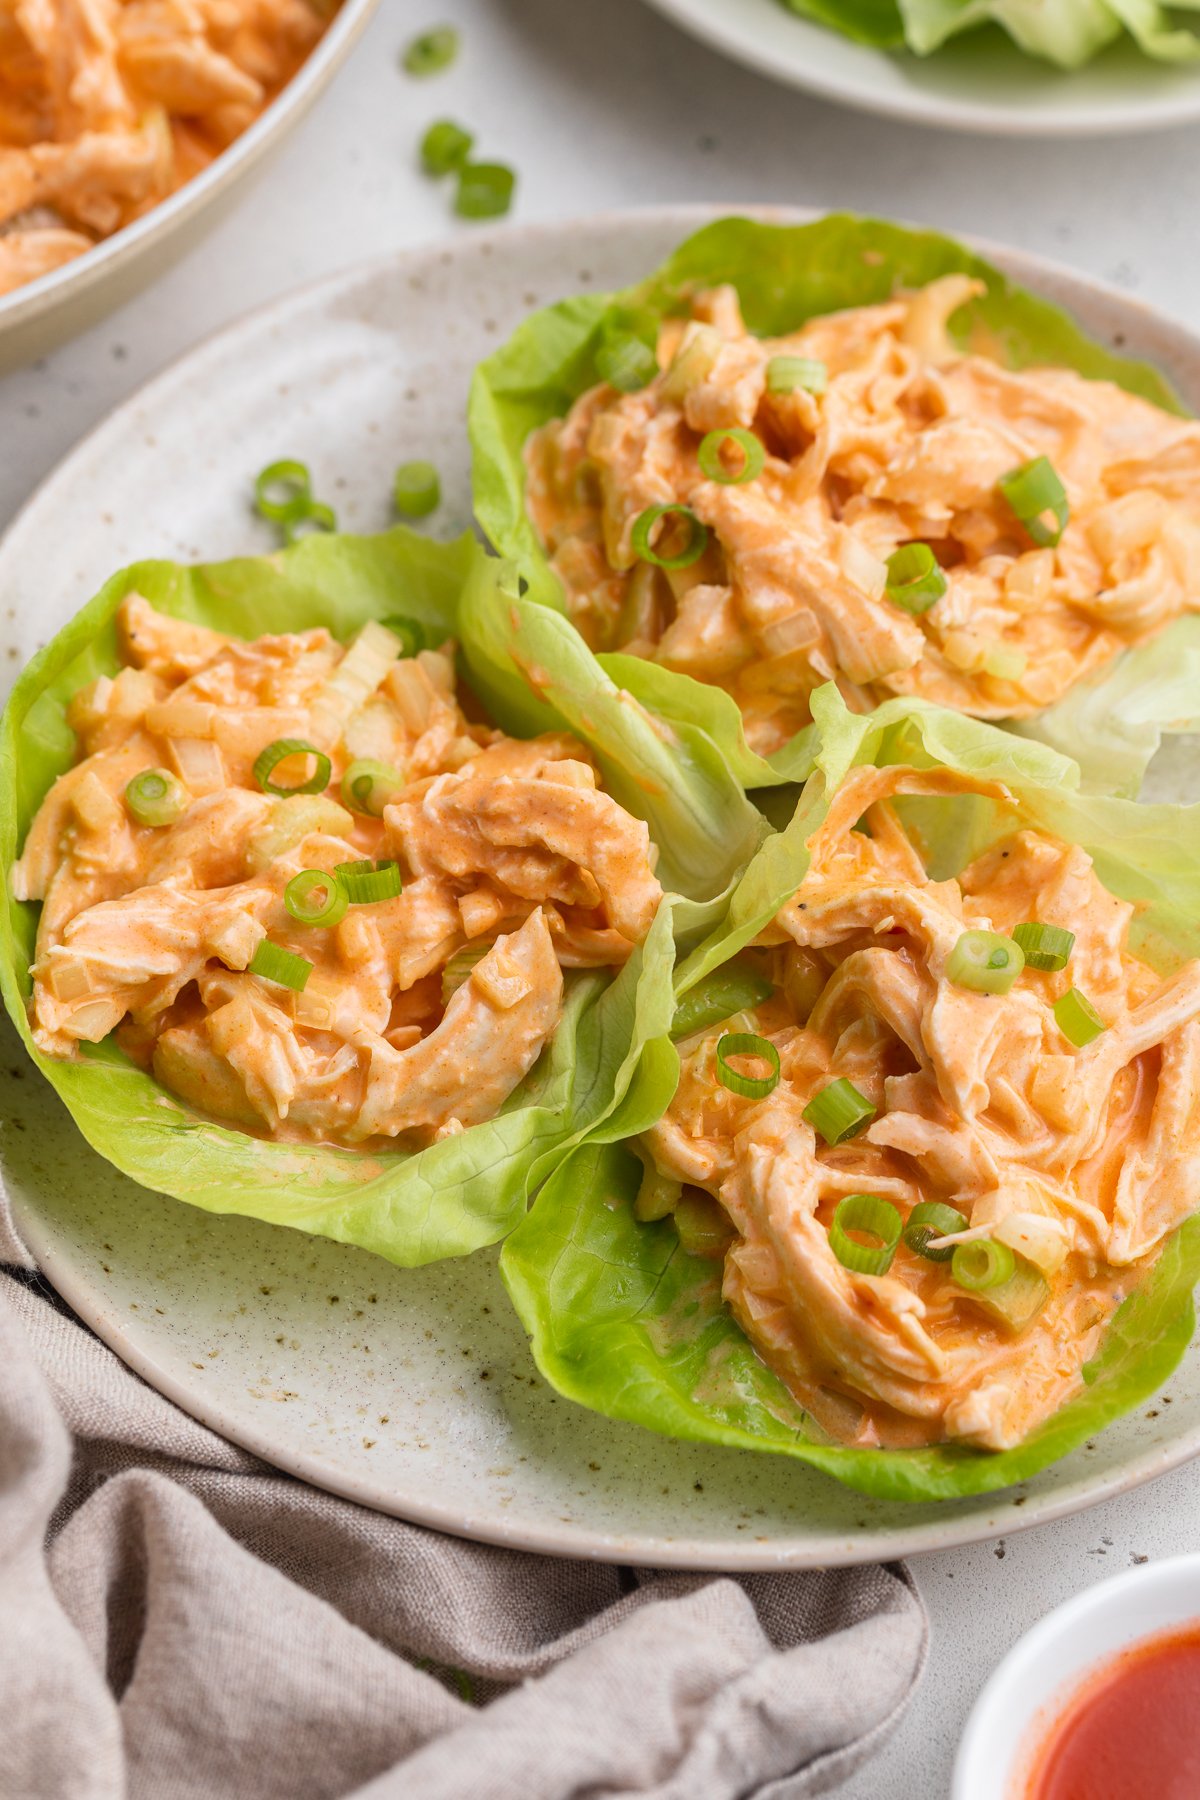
[{"x": 1100, "y": 1701}]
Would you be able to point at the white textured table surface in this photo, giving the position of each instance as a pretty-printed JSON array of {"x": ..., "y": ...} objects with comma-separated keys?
[{"x": 600, "y": 104}]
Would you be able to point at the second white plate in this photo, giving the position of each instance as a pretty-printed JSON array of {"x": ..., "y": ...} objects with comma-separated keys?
[
  {"x": 414, "y": 1391},
  {"x": 980, "y": 82}
]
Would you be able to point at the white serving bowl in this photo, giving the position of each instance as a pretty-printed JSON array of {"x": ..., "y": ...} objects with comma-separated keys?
[
  {"x": 1037, "y": 1678},
  {"x": 42, "y": 313}
]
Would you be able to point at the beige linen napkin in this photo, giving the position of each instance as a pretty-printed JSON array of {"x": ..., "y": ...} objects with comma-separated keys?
[{"x": 178, "y": 1621}]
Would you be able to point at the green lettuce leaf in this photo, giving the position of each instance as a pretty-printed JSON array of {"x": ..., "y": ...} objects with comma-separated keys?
[
  {"x": 624, "y": 1321},
  {"x": 1068, "y": 33},
  {"x": 786, "y": 274},
  {"x": 609, "y": 1069}
]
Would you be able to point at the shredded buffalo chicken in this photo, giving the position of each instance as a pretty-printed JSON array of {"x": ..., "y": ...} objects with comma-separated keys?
[
  {"x": 508, "y": 849},
  {"x": 1081, "y": 1161},
  {"x": 906, "y": 444}
]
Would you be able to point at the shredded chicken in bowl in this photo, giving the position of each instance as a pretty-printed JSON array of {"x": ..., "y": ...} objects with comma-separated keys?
[
  {"x": 313, "y": 896},
  {"x": 1046, "y": 1119},
  {"x": 862, "y": 502},
  {"x": 108, "y": 106}
]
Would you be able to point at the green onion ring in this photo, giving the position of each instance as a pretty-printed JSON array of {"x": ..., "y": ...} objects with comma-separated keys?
[
  {"x": 269, "y": 759},
  {"x": 310, "y": 512},
  {"x": 367, "y": 787},
  {"x": 485, "y": 190},
  {"x": 787, "y": 373},
  {"x": 416, "y": 489},
  {"x": 444, "y": 147},
  {"x": 982, "y": 1264},
  {"x": 711, "y": 459},
  {"x": 366, "y": 883},
  {"x": 1032, "y": 491},
  {"x": 431, "y": 52},
  {"x": 838, "y": 1112},
  {"x": 693, "y": 549},
  {"x": 874, "y": 1217},
  {"x": 1044, "y": 946},
  {"x": 274, "y": 963},
  {"x": 296, "y": 482},
  {"x": 155, "y": 797},
  {"x": 930, "y": 1219},
  {"x": 1078, "y": 1019},
  {"x": 984, "y": 962},
  {"x": 914, "y": 580},
  {"x": 302, "y": 894},
  {"x": 747, "y": 1043}
]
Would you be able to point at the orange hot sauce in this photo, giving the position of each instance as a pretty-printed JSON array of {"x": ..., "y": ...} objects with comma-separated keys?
[{"x": 1132, "y": 1731}]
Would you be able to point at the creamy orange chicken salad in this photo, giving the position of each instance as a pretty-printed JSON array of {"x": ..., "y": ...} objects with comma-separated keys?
[
  {"x": 860, "y": 501},
  {"x": 951, "y": 1140},
  {"x": 311, "y": 894},
  {"x": 108, "y": 106}
]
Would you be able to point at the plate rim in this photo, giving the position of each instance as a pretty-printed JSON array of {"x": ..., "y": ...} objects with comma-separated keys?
[
  {"x": 932, "y": 113},
  {"x": 547, "y": 1537}
]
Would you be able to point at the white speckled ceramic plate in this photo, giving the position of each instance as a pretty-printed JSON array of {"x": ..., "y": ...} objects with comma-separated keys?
[
  {"x": 980, "y": 82},
  {"x": 413, "y": 1391}
]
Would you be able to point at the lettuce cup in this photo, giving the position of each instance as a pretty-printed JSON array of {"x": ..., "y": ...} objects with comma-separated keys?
[
  {"x": 921, "y": 1209},
  {"x": 854, "y": 452},
  {"x": 303, "y": 924}
]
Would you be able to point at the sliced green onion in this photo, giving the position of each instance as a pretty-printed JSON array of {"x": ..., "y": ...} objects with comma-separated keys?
[
  {"x": 458, "y": 969},
  {"x": 984, "y": 962},
  {"x": 747, "y": 1043},
  {"x": 305, "y": 515},
  {"x": 914, "y": 580},
  {"x": 1077, "y": 1018},
  {"x": 870, "y": 1216},
  {"x": 444, "y": 146},
  {"x": 278, "y": 488},
  {"x": 838, "y": 1112},
  {"x": 693, "y": 363},
  {"x": 626, "y": 363},
  {"x": 787, "y": 373},
  {"x": 367, "y": 787},
  {"x": 982, "y": 1264},
  {"x": 1032, "y": 491},
  {"x": 694, "y": 545},
  {"x": 718, "y": 996},
  {"x": 930, "y": 1219},
  {"x": 268, "y": 760},
  {"x": 703, "y": 1225},
  {"x": 315, "y": 898},
  {"x": 1013, "y": 1303},
  {"x": 155, "y": 797},
  {"x": 711, "y": 456},
  {"x": 432, "y": 51},
  {"x": 416, "y": 489},
  {"x": 485, "y": 190},
  {"x": 274, "y": 963},
  {"x": 1044, "y": 946},
  {"x": 367, "y": 882},
  {"x": 412, "y": 634}
]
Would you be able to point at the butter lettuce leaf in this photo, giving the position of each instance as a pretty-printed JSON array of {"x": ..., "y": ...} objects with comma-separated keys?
[
  {"x": 609, "y": 1068},
  {"x": 624, "y": 1321},
  {"x": 785, "y": 274},
  {"x": 1068, "y": 33}
]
